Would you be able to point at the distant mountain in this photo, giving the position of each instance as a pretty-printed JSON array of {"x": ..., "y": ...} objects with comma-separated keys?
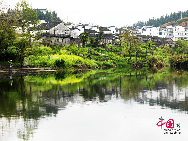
[
  {"x": 173, "y": 18},
  {"x": 49, "y": 17}
]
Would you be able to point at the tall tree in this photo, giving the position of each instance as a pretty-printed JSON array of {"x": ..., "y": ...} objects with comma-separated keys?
[
  {"x": 26, "y": 20},
  {"x": 95, "y": 41},
  {"x": 48, "y": 16},
  {"x": 128, "y": 42},
  {"x": 84, "y": 38},
  {"x": 99, "y": 37},
  {"x": 7, "y": 31}
]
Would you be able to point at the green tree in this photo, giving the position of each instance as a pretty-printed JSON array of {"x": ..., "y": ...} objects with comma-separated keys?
[
  {"x": 182, "y": 47},
  {"x": 151, "y": 46},
  {"x": 26, "y": 20},
  {"x": 7, "y": 31},
  {"x": 128, "y": 42},
  {"x": 148, "y": 47},
  {"x": 84, "y": 38},
  {"x": 95, "y": 41},
  {"x": 99, "y": 37}
]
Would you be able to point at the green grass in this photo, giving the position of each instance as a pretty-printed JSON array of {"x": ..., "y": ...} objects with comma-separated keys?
[{"x": 71, "y": 61}]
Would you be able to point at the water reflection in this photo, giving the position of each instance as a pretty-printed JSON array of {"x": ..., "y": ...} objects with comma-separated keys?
[{"x": 30, "y": 98}]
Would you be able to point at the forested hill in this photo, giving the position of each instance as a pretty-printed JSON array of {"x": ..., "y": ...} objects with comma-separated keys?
[
  {"x": 49, "y": 17},
  {"x": 173, "y": 17}
]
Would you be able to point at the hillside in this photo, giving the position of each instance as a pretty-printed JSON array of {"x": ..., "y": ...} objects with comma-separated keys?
[
  {"x": 181, "y": 22},
  {"x": 49, "y": 17},
  {"x": 179, "y": 18}
]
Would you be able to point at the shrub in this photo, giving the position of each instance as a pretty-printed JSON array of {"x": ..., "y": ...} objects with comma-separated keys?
[
  {"x": 179, "y": 61},
  {"x": 60, "y": 63},
  {"x": 40, "y": 51},
  {"x": 155, "y": 62}
]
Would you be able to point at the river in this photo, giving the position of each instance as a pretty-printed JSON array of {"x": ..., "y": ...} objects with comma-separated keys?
[{"x": 98, "y": 105}]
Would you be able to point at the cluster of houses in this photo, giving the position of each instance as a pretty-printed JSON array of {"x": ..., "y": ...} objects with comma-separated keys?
[
  {"x": 61, "y": 33},
  {"x": 169, "y": 32},
  {"x": 67, "y": 33}
]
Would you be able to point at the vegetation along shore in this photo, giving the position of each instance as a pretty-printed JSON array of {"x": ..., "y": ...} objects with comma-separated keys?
[{"x": 22, "y": 45}]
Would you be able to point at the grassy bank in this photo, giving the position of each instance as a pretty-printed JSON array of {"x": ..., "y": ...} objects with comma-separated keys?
[
  {"x": 59, "y": 61},
  {"x": 146, "y": 55}
]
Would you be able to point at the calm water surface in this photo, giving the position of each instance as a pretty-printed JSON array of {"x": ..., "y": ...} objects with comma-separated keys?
[{"x": 106, "y": 105}]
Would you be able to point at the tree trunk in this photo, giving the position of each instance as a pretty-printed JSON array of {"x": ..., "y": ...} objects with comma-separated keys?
[
  {"x": 130, "y": 52},
  {"x": 146, "y": 52},
  {"x": 83, "y": 44}
]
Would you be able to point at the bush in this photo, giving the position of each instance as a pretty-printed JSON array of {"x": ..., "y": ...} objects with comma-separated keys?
[
  {"x": 40, "y": 51},
  {"x": 179, "y": 61},
  {"x": 106, "y": 64},
  {"x": 12, "y": 53},
  {"x": 60, "y": 63},
  {"x": 155, "y": 62}
]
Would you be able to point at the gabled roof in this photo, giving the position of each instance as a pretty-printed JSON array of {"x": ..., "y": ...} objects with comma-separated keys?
[
  {"x": 108, "y": 36},
  {"x": 47, "y": 26},
  {"x": 103, "y": 29},
  {"x": 90, "y": 31}
]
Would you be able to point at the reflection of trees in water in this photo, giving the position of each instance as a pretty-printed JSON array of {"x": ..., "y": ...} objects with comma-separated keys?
[
  {"x": 166, "y": 95},
  {"x": 17, "y": 101},
  {"x": 32, "y": 100},
  {"x": 27, "y": 131},
  {"x": 25, "y": 128}
]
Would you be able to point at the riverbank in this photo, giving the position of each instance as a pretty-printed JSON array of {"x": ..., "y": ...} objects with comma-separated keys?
[
  {"x": 109, "y": 56},
  {"x": 6, "y": 72},
  {"x": 72, "y": 57}
]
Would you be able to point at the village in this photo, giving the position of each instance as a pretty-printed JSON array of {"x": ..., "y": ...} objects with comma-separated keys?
[{"x": 66, "y": 33}]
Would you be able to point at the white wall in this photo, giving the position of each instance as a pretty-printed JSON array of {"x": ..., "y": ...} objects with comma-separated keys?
[
  {"x": 95, "y": 28},
  {"x": 112, "y": 29},
  {"x": 76, "y": 32},
  {"x": 60, "y": 29},
  {"x": 180, "y": 32},
  {"x": 149, "y": 30}
]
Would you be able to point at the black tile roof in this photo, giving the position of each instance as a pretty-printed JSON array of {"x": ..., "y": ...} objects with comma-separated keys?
[
  {"x": 47, "y": 26},
  {"x": 90, "y": 31},
  {"x": 103, "y": 29}
]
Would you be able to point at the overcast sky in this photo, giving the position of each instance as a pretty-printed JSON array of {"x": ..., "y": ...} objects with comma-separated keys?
[{"x": 109, "y": 12}]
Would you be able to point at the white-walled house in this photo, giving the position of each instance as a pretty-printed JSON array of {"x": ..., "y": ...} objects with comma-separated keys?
[
  {"x": 170, "y": 32},
  {"x": 150, "y": 30},
  {"x": 60, "y": 29},
  {"x": 180, "y": 32},
  {"x": 76, "y": 32},
  {"x": 174, "y": 32},
  {"x": 112, "y": 29},
  {"x": 163, "y": 33},
  {"x": 186, "y": 34},
  {"x": 105, "y": 30},
  {"x": 87, "y": 26},
  {"x": 80, "y": 27},
  {"x": 96, "y": 28}
]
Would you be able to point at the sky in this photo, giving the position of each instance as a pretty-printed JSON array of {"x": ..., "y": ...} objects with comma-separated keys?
[{"x": 108, "y": 12}]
